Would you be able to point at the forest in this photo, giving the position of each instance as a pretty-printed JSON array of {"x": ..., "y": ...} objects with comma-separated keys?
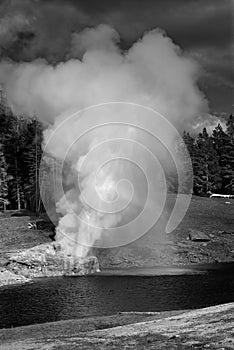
[{"x": 212, "y": 157}]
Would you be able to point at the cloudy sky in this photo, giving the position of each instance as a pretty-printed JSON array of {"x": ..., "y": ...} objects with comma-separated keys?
[{"x": 203, "y": 29}]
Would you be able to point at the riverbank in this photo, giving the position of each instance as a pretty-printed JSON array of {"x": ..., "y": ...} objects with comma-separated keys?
[
  {"x": 8, "y": 278},
  {"x": 205, "y": 236},
  {"x": 207, "y": 328}
]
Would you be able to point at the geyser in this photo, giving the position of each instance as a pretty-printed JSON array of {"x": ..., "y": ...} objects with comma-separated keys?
[{"x": 112, "y": 186}]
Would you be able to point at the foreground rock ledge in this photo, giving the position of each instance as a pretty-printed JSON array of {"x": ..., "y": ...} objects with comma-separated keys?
[
  {"x": 7, "y": 278},
  {"x": 48, "y": 260},
  {"x": 208, "y": 328}
]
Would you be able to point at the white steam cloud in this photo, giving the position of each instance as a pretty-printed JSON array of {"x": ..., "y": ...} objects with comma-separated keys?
[{"x": 153, "y": 73}]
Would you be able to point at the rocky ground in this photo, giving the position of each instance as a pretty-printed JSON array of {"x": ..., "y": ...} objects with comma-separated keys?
[
  {"x": 217, "y": 247},
  {"x": 208, "y": 328},
  {"x": 206, "y": 235},
  {"x": 7, "y": 277},
  {"x": 27, "y": 253},
  {"x": 44, "y": 260}
]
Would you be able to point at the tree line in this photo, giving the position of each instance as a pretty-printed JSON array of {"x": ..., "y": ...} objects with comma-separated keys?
[
  {"x": 212, "y": 157},
  {"x": 20, "y": 156}
]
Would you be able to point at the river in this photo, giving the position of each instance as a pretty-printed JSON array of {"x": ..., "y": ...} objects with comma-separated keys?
[{"x": 112, "y": 291}]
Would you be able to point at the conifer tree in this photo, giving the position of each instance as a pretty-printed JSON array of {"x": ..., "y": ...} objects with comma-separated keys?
[
  {"x": 230, "y": 128},
  {"x": 32, "y": 153},
  {"x": 225, "y": 150},
  {"x": 3, "y": 179},
  {"x": 207, "y": 177}
]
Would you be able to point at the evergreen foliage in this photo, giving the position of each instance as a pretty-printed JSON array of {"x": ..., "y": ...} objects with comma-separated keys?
[
  {"x": 212, "y": 157},
  {"x": 3, "y": 179}
]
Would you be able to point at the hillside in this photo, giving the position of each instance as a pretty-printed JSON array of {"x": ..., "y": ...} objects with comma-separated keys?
[
  {"x": 208, "y": 328},
  {"x": 211, "y": 217}
]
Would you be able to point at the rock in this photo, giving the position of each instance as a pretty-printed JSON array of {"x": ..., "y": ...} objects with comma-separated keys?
[
  {"x": 226, "y": 232},
  {"x": 193, "y": 343},
  {"x": 198, "y": 236},
  {"x": 7, "y": 277},
  {"x": 46, "y": 260},
  {"x": 3, "y": 261},
  {"x": 174, "y": 336}
]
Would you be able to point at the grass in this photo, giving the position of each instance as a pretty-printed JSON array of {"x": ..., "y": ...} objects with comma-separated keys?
[
  {"x": 72, "y": 327},
  {"x": 197, "y": 329},
  {"x": 15, "y": 234},
  {"x": 155, "y": 247},
  {"x": 209, "y": 215}
]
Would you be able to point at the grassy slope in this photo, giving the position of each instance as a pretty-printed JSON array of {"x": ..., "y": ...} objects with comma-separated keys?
[
  {"x": 210, "y": 328},
  {"x": 14, "y": 233},
  {"x": 155, "y": 247},
  {"x": 208, "y": 215},
  {"x": 158, "y": 248}
]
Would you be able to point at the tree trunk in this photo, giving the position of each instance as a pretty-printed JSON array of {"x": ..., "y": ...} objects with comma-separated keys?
[
  {"x": 18, "y": 199},
  {"x": 18, "y": 196}
]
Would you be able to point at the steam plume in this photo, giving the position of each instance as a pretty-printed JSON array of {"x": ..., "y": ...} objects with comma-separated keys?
[{"x": 153, "y": 72}]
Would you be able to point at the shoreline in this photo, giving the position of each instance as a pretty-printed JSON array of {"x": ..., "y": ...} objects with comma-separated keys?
[
  {"x": 9, "y": 278},
  {"x": 204, "y": 239},
  {"x": 209, "y": 328},
  {"x": 165, "y": 270}
]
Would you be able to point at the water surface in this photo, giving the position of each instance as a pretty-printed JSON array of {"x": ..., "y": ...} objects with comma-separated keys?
[{"x": 53, "y": 299}]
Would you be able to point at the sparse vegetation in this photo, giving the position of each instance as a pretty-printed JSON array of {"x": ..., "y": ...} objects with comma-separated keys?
[{"x": 212, "y": 216}]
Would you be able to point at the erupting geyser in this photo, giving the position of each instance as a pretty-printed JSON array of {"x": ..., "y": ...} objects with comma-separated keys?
[{"x": 112, "y": 187}]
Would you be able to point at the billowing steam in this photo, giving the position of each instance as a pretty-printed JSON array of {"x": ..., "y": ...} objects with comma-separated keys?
[{"x": 152, "y": 73}]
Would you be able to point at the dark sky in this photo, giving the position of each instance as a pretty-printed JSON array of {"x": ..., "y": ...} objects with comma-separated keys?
[{"x": 203, "y": 28}]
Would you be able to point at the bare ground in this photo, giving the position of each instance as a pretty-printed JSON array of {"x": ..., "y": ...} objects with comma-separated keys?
[{"x": 214, "y": 217}]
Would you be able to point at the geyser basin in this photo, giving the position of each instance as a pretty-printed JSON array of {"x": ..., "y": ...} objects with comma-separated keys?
[{"x": 48, "y": 260}]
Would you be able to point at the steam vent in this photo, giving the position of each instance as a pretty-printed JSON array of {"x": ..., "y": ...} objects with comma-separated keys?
[{"x": 48, "y": 260}]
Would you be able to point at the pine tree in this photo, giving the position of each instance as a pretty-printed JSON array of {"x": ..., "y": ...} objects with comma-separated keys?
[
  {"x": 229, "y": 149},
  {"x": 186, "y": 149},
  {"x": 207, "y": 172},
  {"x": 230, "y": 128},
  {"x": 32, "y": 157},
  {"x": 225, "y": 150},
  {"x": 3, "y": 179},
  {"x": 13, "y": 145}
]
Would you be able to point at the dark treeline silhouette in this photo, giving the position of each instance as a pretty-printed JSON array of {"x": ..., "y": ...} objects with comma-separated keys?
[
  {"x": 20, "y": 155},
  {"x": 212, "y": 158}
]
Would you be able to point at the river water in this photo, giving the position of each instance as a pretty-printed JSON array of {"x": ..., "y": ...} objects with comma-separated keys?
[{"x": 53, "y": 299}]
